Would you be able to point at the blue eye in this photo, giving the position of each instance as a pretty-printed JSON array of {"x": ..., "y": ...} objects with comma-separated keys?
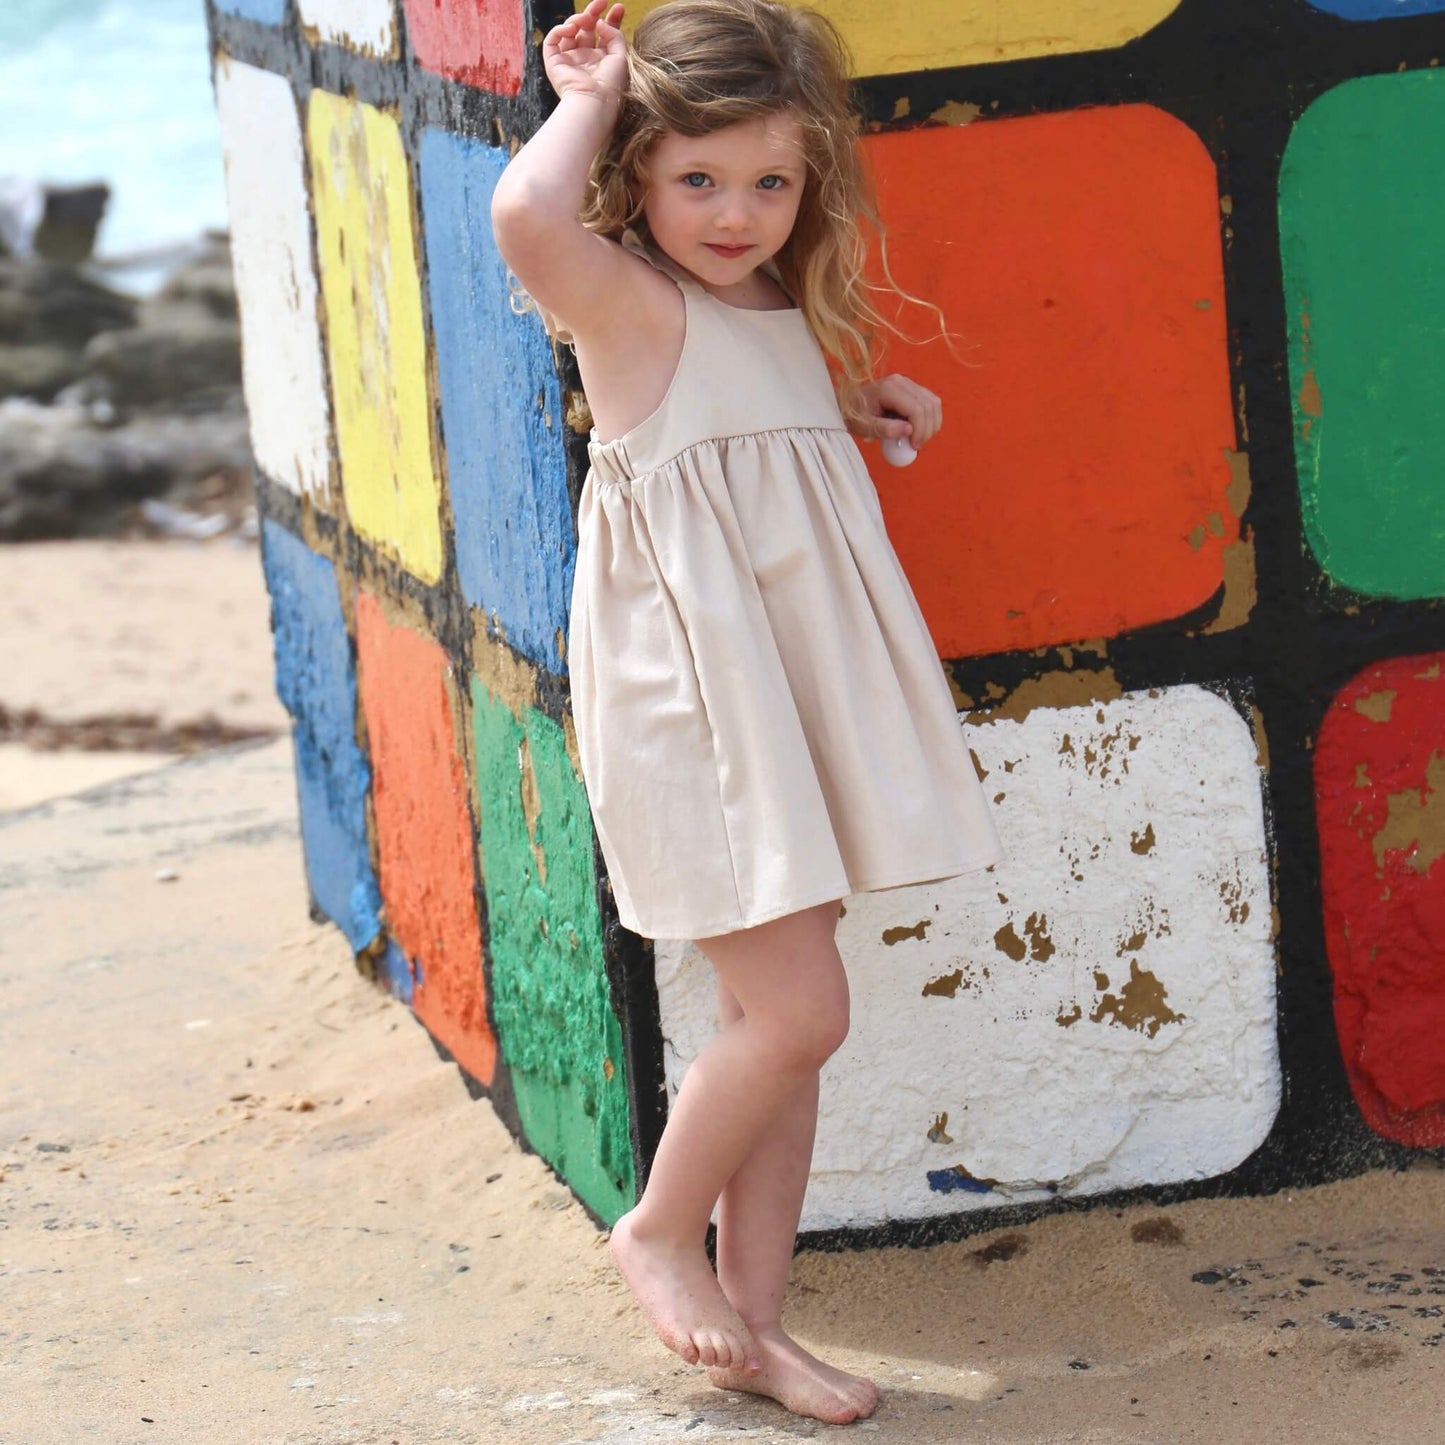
[
  {"x": 692, "y": 176},
  {"x": 781, "y": 182}
]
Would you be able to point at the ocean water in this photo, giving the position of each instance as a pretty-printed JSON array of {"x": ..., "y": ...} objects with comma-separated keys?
[{"x": 119, "y": 91}]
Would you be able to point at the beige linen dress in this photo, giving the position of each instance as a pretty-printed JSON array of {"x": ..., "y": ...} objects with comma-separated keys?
[{"x": 762, "y": 717}]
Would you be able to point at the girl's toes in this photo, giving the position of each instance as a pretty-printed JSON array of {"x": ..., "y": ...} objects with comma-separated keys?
[
  {"x": 707, "y": 1351},
  {"x": 690, "y": 1353}
]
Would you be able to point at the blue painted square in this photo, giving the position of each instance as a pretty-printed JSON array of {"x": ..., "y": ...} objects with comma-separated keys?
[
  {"x": 1377, "y": 9},
  {"x": 317, "y": 682},
  {"x": 396, "y": 970},
  {"x": 268, "y": 12},
  {"x": 506, "y": 465}
]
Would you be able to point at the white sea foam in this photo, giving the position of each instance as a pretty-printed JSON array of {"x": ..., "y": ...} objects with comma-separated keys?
[{"x": 119, "y": 91}]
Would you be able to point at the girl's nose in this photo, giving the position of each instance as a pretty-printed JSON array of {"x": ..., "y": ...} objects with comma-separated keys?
[{"x": 733, "y": 214}]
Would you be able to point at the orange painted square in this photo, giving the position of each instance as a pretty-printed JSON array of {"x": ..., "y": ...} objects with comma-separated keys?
[
  {"x": 1077, "y": 488},
  {"x": 424, "y": 832}
]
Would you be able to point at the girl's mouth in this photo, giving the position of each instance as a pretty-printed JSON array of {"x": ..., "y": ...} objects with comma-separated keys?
[{"x": 729, "y": 251}]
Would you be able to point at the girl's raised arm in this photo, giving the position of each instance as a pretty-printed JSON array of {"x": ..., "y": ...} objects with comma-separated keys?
[{"x": 571, "y": 271}]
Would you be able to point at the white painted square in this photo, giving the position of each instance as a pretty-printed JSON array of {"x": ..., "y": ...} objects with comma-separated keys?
[
  {"x": 276, "y": 285},
  {"x": 368, "y": 26},
  {"x": 1136, "y": 847}
]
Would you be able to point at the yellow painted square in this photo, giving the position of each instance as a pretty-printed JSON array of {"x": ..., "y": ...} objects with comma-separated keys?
[
  {"x": 375, "y": 337},
  {"x": 936, "y": 34}
]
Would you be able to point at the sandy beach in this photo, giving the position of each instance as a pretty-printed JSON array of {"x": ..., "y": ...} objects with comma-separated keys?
[{"x": 242, "y": 1198}]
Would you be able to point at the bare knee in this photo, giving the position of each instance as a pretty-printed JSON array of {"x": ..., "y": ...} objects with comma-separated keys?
[
  {"x": 807, "y": 1037},
  {"x": 787, "y": 981}
]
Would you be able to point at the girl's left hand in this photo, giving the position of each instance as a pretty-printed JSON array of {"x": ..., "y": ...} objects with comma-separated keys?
[{"x": 898, "y": 407}]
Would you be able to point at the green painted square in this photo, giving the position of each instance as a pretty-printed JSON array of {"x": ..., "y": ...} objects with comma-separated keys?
[
  {"x": 1362, "y": 211},
  {"x": 556, "y": 1025}
]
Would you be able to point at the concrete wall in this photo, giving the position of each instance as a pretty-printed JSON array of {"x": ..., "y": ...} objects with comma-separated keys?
[{"x": 1181, "y": 547}]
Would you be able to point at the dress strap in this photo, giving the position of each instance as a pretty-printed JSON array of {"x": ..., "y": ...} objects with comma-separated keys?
[{"x": 633, "y": 242}]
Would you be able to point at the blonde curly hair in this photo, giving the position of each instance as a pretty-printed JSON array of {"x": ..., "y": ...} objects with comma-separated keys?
[{"x": 696, "y": 66}]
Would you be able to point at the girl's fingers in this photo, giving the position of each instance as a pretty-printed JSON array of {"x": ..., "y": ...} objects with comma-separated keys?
[{"x": 922, "y": 407}]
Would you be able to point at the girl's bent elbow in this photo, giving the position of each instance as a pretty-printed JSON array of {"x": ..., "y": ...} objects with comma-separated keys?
[
  {"x": 505, "y": 206},
  {"x": 518, "y": 217}
]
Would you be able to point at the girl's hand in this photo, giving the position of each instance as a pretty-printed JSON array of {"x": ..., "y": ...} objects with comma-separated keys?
[
  {"x": 898, "y": 407},
  {"x": 587, "y": 55}
]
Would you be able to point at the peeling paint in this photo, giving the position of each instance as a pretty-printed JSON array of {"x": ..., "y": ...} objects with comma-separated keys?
[
  {"x": 1377, "y": 705},
  {"x": 1232, "y": 891},
  {"x": 1139, "y": 1005},
  {"x": 945, "y": 987},
  {"x": 1041, "y": 946},
  {"x": 900, "y": 932},
  {"x": 1241, "y": 583},
  {"x": 1054, "y": 690},
  {"x": 956, "y": 112},
  {"x": 1415, "y": 824},
  {"x": 1007, "y": 941}
]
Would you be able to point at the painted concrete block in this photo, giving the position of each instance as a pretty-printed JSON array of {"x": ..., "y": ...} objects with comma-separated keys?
[
  {"x": 316, "y": 681},
  {"x": 1088, "y": 426},
  {"x": 1362, "y": 207},
  {"x": 556, "y": 1022},
  {"x": 932, "y": 34},
  {"x": 268, "y": 12},
  {"x": 1097, "y": 1011},
  {"x": 368, "y": 26},
  {"x": 424, "y": 836},
  {"x": 375, "y": 335},
  {"x": 1380, "y": 799},
  {"x": 276, "y": 286},
  {"x": 502, "y": 411},
  {"x": 478, "y": 42}
]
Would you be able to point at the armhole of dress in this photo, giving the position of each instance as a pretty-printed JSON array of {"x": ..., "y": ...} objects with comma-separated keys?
[{"x": 554, "y": 327}]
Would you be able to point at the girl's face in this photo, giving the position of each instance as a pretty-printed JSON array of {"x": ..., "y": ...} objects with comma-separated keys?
[{"x": 722, "y": 204}]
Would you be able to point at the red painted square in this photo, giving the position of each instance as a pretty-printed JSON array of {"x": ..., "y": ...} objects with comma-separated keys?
[
  {"x": 1380, "y": 800},
  {"x": 1078, "y": 487},
  {"x": 479, "y": 42},
  {"x": 424, "y": 831}
]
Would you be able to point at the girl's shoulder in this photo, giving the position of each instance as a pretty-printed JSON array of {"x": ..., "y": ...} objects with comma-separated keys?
[{"x": 645, "y": 285}]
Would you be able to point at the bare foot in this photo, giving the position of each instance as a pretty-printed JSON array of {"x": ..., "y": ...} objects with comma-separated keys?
[
  {"x": 801, "y": 1382},
  {"x": 683, "y": 1301}
]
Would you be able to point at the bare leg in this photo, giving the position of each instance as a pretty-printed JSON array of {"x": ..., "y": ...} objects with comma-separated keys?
[
  {"x": 757, "y": 1226},
  {"x": 789, "y": 977}
]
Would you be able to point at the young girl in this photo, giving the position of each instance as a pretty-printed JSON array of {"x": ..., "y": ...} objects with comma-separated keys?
[{"x": 763, "y": 723}]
